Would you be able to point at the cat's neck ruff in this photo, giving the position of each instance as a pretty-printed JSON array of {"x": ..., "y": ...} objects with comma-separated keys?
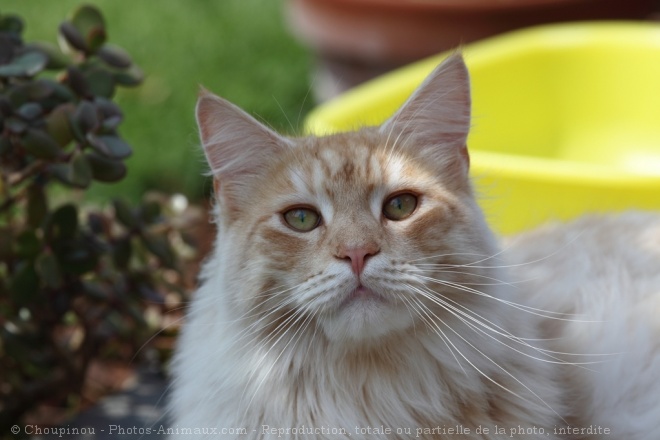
[{"x": 415, "y": 378}]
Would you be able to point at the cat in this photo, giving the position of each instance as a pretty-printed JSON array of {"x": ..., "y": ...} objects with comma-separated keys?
[{"x": 355, "y": 290}]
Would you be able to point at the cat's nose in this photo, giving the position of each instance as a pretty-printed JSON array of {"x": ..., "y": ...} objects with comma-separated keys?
[{"x": 358, "y": 256}]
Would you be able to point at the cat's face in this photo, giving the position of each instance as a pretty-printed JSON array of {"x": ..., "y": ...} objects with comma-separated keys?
[{"x": 348, "y": 233}]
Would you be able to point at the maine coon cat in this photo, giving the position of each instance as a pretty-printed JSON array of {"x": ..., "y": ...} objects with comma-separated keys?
[{"x": 356, "y": 290}]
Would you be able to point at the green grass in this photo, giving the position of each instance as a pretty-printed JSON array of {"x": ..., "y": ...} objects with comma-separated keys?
[{"x": 239, "y": 49}]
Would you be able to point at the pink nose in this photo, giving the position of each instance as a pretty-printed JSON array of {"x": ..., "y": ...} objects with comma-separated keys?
[{"x": 358, "y": 256}]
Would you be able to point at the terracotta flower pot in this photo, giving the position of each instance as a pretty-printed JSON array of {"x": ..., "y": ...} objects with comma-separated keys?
[{"x": 359, "y": 39}]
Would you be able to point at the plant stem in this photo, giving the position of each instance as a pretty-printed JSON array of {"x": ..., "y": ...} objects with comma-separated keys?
[
  {"x": 9, "y": 202},
  {"x": 16, "y": 179},
  {"x": 34, "y": 168}
]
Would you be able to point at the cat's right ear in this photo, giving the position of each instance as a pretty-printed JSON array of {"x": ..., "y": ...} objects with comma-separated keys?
[
  {"x": 435, "y": 121},
  {"x": 237, "y": 146}
]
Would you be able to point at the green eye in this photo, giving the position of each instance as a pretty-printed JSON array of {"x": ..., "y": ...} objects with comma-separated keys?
[
  {"x": 400, "y": 206},
  {"x": 302, "y": 219}
]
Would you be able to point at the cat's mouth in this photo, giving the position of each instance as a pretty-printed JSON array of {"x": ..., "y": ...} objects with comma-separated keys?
[
  {"x": 361, "y": 294},
  {"x": 364, "y": 313}
]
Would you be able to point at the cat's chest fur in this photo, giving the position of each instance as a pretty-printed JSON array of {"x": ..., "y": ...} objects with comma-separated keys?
[
  {"x": 389, "y": 393},
  {"x": 408, "y": 386}
]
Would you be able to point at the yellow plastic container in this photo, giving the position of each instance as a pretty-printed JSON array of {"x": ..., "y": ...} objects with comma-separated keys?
[{"x": 566, "y": 119}]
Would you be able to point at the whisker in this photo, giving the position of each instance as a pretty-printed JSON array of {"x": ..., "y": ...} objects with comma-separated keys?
[
  {"x": 499, "y": 367},
  {"x": 453, "y": 254},
  {"x": 272, "y": 296},
  {"x": 302, "y": 105},
  {"x": 293, "y": 130},
  {"x": 466, "y": 317},
  {"x": 456, "y": 304},
  {"x": 177, "y": 321},
  {"x": 527, "y": 263},
  {"x": 433, "y": 326},
  {"x": 293, "y": 315},
  {"x": 497, "y": 281},
  {"x": 403, "y": 300},
  {"x": 279, "y": 332},
  {"x": 313, "y": 338},
  {"x": 300, "y": 330},
  {"x": 474, "y": 264},
  {"x": 468, "y": 360},
  {"x": 261, "y": 323},
  {"x": 521, "y": 307},
  {"x": 156, "y": 334}
]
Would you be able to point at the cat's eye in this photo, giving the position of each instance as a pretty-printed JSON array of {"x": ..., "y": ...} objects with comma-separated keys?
[
  {"x": 399, "y": 206},
  {"x": 302, "y": 219}
]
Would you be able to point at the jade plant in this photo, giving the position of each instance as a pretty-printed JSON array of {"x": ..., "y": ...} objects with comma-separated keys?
[{"x": 76, "y": 283}]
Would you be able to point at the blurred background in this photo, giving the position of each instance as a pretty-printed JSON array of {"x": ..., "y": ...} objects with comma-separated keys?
[
  {"x": 245, "y": 51},
  {"x": 277, "y": 59},
  {"x": 238, "y": 49},
  {"x": 70, "y": 334}
]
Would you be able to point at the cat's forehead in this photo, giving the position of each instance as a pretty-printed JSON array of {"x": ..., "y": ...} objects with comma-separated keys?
[
  {"x": 348, "y": 173},
  {"x": 346, "y": 167}
]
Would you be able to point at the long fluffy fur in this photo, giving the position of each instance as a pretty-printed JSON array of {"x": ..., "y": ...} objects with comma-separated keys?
[
  {"x": 603, "y": 273},
  {"x": 462, "y": 335}
]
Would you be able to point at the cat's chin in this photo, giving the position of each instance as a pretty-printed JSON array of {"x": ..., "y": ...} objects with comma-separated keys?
[{"x": 365, "y": 315}]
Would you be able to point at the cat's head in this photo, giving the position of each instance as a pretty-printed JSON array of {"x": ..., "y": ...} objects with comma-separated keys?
[{"x": 355, "y": 235}]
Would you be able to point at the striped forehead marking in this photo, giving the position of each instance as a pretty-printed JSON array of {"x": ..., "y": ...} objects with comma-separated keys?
[{"x": 316, "y": 180}]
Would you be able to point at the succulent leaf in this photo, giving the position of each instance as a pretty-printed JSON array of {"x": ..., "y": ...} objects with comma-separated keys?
[
  {"x": 105, "y": 169},
  {"x": 71, "y": 38},
  {"x": 27, "y": 64},
  {"x": 39, "y": 144},
  {"x": 85, "y": 117},
  {"x": 12, "y": 24},
  {"x": 58, "y": 125},
  {"x": 101, "y": 82},
  {"x": 160, "y": 247},
  {"x": 115, "y": 56},
  {"x": 125, "y": 214},
  {"x": 63, "y": 223},
  {"x": 89, "y": 22},
  {"x": 110, "y": 146},
  {"x": 130, "y": 77},
  {"x": 30, "y": 111},
  {"x": 56, "y": 59}
]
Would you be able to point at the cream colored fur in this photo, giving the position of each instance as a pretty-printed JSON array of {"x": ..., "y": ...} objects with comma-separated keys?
[
  {"x": 276, "y": 341},
  {"x": 604, "y": 273}
]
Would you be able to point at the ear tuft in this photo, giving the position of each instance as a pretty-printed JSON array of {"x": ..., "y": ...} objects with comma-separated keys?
[
  {"x": 238, "y": 149},
  {"x": 234, "y": 142},
  {"x": 435, "y": 120}
]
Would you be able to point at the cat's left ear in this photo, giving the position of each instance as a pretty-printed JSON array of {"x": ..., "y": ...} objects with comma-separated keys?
[{"x": 435, "y": 120}]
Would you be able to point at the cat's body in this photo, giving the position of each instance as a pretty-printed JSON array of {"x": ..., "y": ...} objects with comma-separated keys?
[
  {"x": 603, "y": 272},
  {"x": 355, "y": 289}
]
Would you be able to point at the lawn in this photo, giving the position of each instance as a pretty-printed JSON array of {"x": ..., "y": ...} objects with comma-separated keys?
[{"x": 239, "y": 49}]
